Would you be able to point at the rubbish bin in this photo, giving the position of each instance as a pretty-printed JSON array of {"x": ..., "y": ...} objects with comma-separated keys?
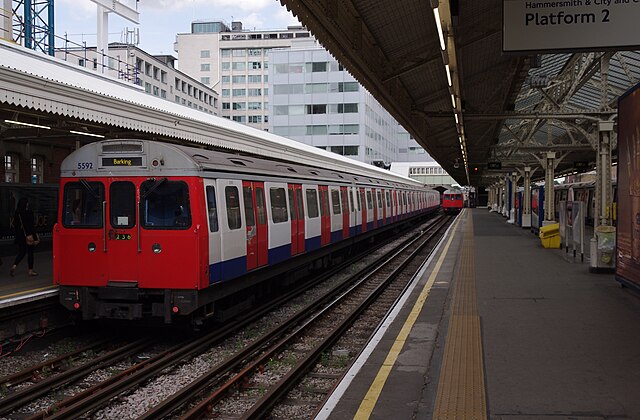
[
  {"x": 550, "y": 236},
  {"x": 606, "y": 239}
]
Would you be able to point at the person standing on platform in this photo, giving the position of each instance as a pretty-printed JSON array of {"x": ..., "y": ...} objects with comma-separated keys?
[{"x": 25, "y": 234}]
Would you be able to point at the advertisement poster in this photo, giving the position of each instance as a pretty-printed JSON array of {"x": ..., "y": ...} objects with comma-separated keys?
[{"x": 628, "y": 235}]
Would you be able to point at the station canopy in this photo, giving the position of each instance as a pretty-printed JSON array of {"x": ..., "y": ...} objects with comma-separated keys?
[{"x": 509, "y": 108}]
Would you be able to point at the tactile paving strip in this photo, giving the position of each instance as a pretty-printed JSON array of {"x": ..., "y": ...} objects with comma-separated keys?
[{"x": 461, "y": 392}]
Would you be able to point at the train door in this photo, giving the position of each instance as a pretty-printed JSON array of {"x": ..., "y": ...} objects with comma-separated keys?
[
  {"x": 345, "y": 213},
  {"x": 215, "y": 251},
  {"x": 256, "y": 224},
  {"x": 325, "y": 216},
  {"x": 166, "y": 231},
  {"x": 364, "y": 210},
  {"x": 357, "y": 209},
  {"x": 122, "y": 238},
  {"x": 375, "y": 207},
  {"x": 395, "y": 205},
  {"x": 297, "y": 218},
  {"x": 81, "y": 232}
]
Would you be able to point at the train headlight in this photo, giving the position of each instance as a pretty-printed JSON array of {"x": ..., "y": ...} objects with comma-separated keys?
[
  {"x": 91, "y": 247},
  {"x": 156, "y": 248}
]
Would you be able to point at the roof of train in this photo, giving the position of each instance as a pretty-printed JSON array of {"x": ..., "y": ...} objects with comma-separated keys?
[{"x": 97, "y": 159}]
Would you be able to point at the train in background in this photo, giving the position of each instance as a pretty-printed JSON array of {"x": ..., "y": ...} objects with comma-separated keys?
[
  {"x": 582, "y": 191},
  {"x": 452, "y": 201},
  {"x": 156, "y": 230}
]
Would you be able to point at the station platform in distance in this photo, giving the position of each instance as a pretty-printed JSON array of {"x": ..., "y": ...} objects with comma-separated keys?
[
  {"x": 22, "y": 288},
  {"x": 498, "y": 327}
]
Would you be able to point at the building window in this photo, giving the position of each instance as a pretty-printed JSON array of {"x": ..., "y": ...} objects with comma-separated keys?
[
  {"x": 255, "y": 92},
  {"x": 205, "y": 67},
  {"x": 147, "y": 87},
  {"x": 238, "y": 106},
  {"x": 11, "y": 167},
  {"x": 316, "y": 109},
  {"x": 255, "y": 119},
  {"x": 156, "y": 91},
  {"x": 240, "y": 118},
  {"x": 255, "y": 52},
  {"x": 239, "y": 79},
  {"x": 81, "y": 62},
  {"x": 225, "y": 53},
  {"x": 226, "y": 66},
  {"x": 205, "y": 54},
  {"x": 225, "y": 80},
  {"x": 226, "y": 93},
  {"x": 226, "y": 105},
  {"x": 163, "y": 76},
  {"x": 255, "y": 105},
  {"x": 255, "y": 65},
  {"x": 163, "y": 94},
  {"x": 37, "y": 169},
  {"x": 205, "y": 80},
  {"x": 239, "y": 92},
  {"x": 255, "y": 78},
  {"x": 239, "y": 52},
  {"x": 239, "y": 65}
]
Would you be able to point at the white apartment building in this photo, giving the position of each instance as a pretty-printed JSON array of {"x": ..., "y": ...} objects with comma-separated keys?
[
  {"x": 429, "y": 173},
  {"x": 156, "y": 74},
  {"x": 314, "y": 100},
  {"x": 235, "y": 63}
]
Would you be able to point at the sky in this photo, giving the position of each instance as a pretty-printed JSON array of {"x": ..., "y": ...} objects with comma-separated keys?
[{"x": 161, "y": 20}]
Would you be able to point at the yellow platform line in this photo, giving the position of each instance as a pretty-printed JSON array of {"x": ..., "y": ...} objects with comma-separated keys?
[
  {"x": 29, "y": 292},
  {"x": 461, "y": 392},
  {"x": 369, "y": 402}
]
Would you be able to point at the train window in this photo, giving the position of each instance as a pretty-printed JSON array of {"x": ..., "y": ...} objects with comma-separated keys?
[
  {"x": 165, "y": 204},
  {"x": 262, "y": 215},
  {"x": 300, "y": 204},
  {"x": 379, "y": 200},
  {"x": 351, "y": 201},
  {"x": 212, "y": 208},
  {"x": 358, "y": 199},
  {"x": 388, "y": 194},
  {"x": 83, "y": 204},
  {"x": 278, "y": 205},
  {"x": 345, "y": 202},
  {"x": 233, "y": 207},
  {"x": 335, "y": 201},
  {"x": 312, "y": 203},
  {"x": 122, "y": 204},
  {"x": 324, "y": 200},
  {"x": 369, "y": 200},
  {"x": 248, "y": 206},
  {"x": 292, "y": 209}
]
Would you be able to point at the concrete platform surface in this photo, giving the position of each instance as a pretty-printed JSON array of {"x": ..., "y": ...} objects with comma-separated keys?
[{"x": 557, "y": 341}]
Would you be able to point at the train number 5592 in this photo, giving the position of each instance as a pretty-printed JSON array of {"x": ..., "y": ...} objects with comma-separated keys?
[{"x": 85, "y": 165}]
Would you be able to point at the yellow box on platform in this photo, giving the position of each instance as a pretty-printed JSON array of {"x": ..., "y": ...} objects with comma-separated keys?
[{"x": 550, "y": 236}]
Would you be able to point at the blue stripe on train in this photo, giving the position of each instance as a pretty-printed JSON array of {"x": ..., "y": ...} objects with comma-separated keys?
[
  {"x": 353, "y": 231},
  {"x": 312, "y": 243},
  {"x": 280, "y": 253},
  {"x": 336, "y": 236},
  {"x": 227, "y": 270}
]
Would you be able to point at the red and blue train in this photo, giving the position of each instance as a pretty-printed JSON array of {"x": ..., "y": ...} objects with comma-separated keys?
[
  {"x": 150, "y": 229},
  {"x": 452, "y": 201}
]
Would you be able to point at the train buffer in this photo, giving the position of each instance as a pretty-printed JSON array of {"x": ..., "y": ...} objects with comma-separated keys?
[{"x": 550, "y": 236}]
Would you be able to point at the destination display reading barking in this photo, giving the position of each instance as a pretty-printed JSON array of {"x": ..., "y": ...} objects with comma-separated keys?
[{"x": 122, "y": 161}]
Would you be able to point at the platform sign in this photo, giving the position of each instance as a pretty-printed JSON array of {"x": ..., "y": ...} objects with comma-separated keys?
[{"x": 537, "y": 25}]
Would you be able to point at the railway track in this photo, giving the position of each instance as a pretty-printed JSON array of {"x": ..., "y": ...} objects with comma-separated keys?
[{"x": 96, "y": 397}]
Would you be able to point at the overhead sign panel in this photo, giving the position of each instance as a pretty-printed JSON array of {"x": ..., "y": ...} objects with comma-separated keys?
[{"x": 536, "y": 25}]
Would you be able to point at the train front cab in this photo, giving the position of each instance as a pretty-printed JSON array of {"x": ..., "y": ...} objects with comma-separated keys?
[{"x": 118, "y": 236}]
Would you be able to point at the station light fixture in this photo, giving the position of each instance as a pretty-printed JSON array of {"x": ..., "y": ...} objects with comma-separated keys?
[
  {"x": 449, "y": 60},
  {"x": 27, "y": 124},
  {"x": 86, "y": 134}
]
